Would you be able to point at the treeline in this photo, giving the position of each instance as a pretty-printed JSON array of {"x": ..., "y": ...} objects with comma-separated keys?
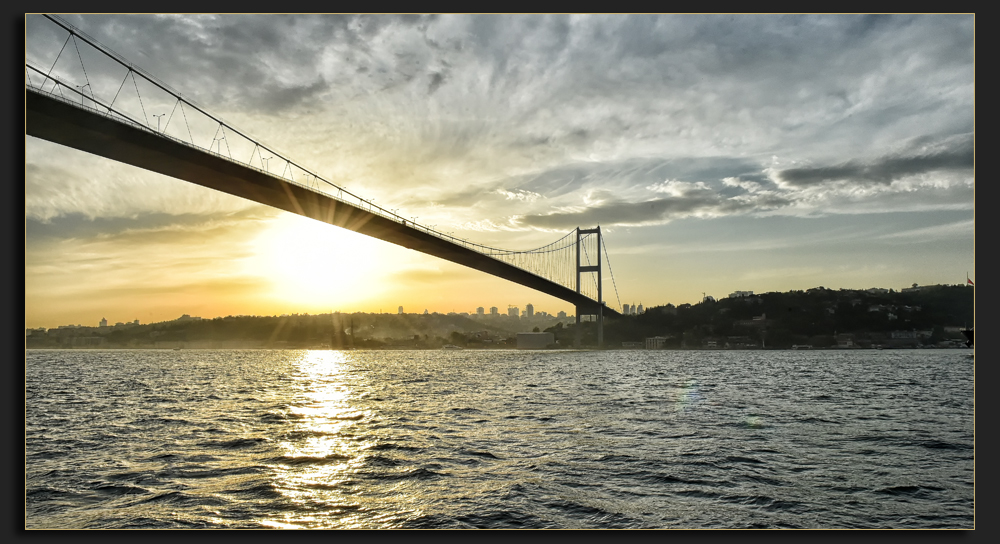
[
  {"x": 337, "y": 330},
  {"x": 817, "y": 317}
]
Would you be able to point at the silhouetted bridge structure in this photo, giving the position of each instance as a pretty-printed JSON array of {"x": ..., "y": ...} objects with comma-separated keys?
[{"x": 69, "y": 115}]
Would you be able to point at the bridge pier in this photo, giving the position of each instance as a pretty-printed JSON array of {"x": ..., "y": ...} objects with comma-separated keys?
[
  {"x": 576, "y": 331},
  {"x": 600, "y": 326},
  {"x": 599, "y": 314}
]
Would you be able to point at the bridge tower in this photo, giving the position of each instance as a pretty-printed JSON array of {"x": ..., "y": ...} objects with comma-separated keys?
[{"x": 599, "y": 311}]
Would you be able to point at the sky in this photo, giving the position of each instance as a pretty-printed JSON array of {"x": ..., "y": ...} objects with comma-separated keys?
[{"x": 717, "y": 153}]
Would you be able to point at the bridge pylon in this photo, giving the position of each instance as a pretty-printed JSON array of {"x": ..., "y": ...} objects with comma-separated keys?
[{"x": 597, "y": 310}]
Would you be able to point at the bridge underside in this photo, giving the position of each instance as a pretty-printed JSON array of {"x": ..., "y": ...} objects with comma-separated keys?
[{"x": 56, "y": 121}]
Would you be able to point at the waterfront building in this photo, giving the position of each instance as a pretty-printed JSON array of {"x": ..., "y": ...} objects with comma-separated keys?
[{"x": 656, "y": 342}]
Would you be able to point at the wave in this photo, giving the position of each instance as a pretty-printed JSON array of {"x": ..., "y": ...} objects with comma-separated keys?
[
  {"x": 479, "y": 454},
  {"x": 310, "y": 460},
  {"x": 234, "y": 444},
  {"x": 415, "y": 474}
]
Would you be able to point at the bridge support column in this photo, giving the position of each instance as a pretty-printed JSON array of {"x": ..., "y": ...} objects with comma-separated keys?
[
  {"x": 576, "y": 330},
  {"x": 600, "y": 327},
  {"x": 599, "y": 312}
]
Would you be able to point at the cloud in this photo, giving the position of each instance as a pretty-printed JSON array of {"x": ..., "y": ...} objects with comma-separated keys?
[
  {"x": 953, "y": 154},
  {"x": 679, "y": 188},
  {"x": 220, "y": 287},
  {"x": 418, "y": 277},
  {"x": 519, "y": 194},
  {"x": 698, "y": 203},
  {"x": 958, "y": 229},
  {"x": 745, "y": 184},
  {"x": 144, "y": 228},
  {"x": 437, "y": 79}
]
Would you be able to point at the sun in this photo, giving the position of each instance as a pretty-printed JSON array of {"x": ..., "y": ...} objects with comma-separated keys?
[{"x": 314, "y": 266}]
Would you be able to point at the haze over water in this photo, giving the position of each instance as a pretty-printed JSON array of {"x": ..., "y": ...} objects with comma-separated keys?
[{"x": 502, "y": 439}]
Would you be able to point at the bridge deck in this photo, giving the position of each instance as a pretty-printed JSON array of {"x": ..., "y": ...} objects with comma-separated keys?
[{"x": 54, "y": 120}]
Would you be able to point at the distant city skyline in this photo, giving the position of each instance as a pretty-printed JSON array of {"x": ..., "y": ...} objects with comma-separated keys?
[
  {"x": 480, "y": 311},
  {"x": 717, "y": 153}
]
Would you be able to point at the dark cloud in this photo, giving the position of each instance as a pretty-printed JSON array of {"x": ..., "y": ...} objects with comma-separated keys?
[
  {"x": 661, "y": 210},
  {"x": 265, "y": 63},
  {"x": 957, "y": 154},
  {"x": 436, "y": 80},
  {"x": 77, "y": 226},
  {"x": 275, "y": 98}
]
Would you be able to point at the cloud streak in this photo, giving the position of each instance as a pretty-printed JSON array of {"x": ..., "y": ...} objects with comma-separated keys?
[
  {"x": 955, "y": 154},
  {"x": 697, "y": 203}
]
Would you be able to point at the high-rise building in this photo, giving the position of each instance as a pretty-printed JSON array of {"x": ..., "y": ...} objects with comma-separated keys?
[
  {"x": 494, "y": 310},
  {"x": 529, "y": 311},
  {"x": 641, "y": 310},
  {"x": 479, "y": 311},
  {"x": 400, "y": 310},
  {"x": 513, "y": 311},
  {"x": 561, "y": 315},
  {"x": 104, "y": 322}
]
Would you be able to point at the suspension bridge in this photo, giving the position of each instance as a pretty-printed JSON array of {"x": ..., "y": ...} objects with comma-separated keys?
[{"x": 68, "y": 104}]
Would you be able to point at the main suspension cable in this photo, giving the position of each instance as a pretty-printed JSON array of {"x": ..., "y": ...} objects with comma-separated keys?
[{"x": 608, "y": 259}]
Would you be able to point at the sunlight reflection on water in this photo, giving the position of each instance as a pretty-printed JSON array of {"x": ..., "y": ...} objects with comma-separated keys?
[{"x": 321, "y": 458}]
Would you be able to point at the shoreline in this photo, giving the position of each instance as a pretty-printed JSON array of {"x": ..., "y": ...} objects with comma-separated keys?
[{"x": 505, "y": 348}]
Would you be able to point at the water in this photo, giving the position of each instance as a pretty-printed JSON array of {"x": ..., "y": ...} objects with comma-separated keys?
[{"x": 499, "y": 439}]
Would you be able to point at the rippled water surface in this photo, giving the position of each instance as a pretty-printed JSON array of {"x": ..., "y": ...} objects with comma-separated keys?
[{"x": 508, "y": 439}]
